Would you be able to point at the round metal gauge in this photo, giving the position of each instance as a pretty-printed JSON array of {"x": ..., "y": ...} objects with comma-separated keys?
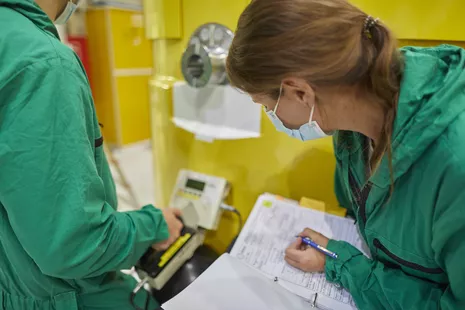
[
  {"x": 218, "y": 35},
  {"x": 205, "y": 34},
  {"x": 203, "y": 62}
]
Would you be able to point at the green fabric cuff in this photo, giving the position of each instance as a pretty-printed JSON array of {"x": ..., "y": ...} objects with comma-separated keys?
[
  {"x": 159, "y": 225},
  {"x": 142, "y": 228},
  {"x": 333, "y": 267}
]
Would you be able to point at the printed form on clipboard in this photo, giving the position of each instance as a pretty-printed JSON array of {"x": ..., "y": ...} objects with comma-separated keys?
[
  {"x": 272, "y": 227},
  {"x": 255, "y": 276}
]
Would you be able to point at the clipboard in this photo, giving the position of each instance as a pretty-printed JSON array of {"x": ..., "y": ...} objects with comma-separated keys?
[
  {"x": 261, "y": 288},
  {"x": 312, "y": 301},
  {"x": 227, "y": 278},
  {"x": 276, "y": 220},
  {"x": 321, "y": 206}
]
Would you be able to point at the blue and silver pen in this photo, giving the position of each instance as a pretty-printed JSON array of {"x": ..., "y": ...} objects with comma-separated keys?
[{"x": 318, "y": 247}]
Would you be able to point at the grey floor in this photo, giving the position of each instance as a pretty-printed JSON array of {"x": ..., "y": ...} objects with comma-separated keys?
[{"x": 136, "y": 163}]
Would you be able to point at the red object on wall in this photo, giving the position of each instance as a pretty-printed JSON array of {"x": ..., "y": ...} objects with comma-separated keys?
[{"x": 79, "y": 45}]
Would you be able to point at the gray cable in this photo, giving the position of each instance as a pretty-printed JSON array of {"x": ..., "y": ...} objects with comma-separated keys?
[{"x": 233, "y": 210}]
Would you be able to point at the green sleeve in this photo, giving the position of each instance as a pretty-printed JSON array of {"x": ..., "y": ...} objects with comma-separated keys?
[
  {"x": 339, "y": 189},
  {"x": 375, "y": 286},
  {"x": 341, "y": 193},
  {"x": 50, "y": 186}
]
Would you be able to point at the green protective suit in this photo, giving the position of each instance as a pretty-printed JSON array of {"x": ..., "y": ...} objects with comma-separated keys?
[
  {"x": 417, "y": 235},
  {"x": 61, "y": 240}
]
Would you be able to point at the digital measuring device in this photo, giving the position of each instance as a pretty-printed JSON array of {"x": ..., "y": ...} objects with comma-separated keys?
[{"x": 199, "y": 197}]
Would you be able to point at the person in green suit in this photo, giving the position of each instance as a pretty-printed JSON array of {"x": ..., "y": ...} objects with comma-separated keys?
[
  {"x": 397, "y": 117},
  {"x": 62, "y": 243}
]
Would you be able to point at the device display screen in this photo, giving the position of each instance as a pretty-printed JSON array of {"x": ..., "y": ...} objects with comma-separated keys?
[{"x": 194, "y": 184}]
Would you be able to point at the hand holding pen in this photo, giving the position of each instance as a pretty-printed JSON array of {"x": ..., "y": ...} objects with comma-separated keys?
[
  {"x": 309, "y": 252},
  {"x": 318, "y": 247}
]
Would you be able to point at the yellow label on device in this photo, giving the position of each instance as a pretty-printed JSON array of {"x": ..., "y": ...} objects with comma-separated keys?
[
  {"x": 173, "y": 249},
  {"x": 267, "y": 204},
  {"x": 188, "y": 196}
]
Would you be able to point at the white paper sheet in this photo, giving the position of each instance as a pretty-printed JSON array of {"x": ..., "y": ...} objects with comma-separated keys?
[
  {"x": 230, "y": 284},
  {"x": 272, "y": 226}
]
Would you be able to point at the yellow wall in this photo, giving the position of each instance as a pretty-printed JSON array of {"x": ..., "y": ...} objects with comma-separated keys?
[
  {"x": 133, "y": 96},
  {"x": 420, "y": 19},
  {"x": 122, "y": 60},
  {"x": 102, "y": 72},
  {"x": 273, "y": 163},
  {"x": 425, "y": 43}
]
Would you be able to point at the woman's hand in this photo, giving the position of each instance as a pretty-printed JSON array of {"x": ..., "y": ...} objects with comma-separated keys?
[
  {"x": 301, "y": 256},
  {"x": 174, "y": 227}
]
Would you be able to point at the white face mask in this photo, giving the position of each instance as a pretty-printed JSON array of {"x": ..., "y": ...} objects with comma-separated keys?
[
  {"x": 68, "y": 11},
  {"x": 308, "y": 131}
]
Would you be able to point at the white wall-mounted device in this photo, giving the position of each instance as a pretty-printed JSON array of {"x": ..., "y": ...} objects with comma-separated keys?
[{"x": 199, "y": 196}]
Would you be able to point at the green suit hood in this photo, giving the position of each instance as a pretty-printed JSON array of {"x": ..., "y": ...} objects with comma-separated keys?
[
  {"x": 432, "y": 77},
  {"x": 33, "y": 12}
]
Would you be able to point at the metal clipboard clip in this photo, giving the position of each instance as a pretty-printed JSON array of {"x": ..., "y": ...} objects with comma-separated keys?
[{"x": 313, "y": 301}]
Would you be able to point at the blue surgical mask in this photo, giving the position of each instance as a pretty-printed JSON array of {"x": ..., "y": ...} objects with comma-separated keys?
[
  {"x": 308, "y": 131},
  {"x": 68, "y": 11}
]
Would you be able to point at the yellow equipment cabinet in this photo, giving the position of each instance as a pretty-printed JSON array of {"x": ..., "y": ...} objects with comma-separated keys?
[
  {"x": 122, "y": 60},
  {"x": 273, "y": 163}
]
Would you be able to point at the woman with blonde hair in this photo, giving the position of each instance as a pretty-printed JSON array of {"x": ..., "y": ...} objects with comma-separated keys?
[{"x": 397, "y": 118}]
